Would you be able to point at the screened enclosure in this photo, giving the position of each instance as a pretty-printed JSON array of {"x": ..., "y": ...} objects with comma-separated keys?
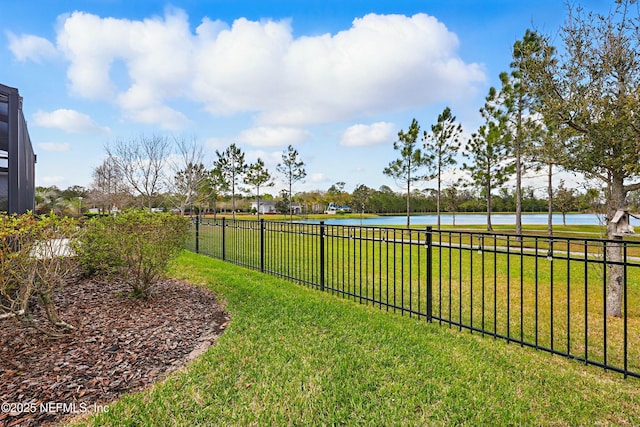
[{"x": 17, "y": 160}]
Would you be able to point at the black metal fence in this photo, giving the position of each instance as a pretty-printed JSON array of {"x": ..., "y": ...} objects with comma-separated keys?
[{"x": 535, "y": 291}]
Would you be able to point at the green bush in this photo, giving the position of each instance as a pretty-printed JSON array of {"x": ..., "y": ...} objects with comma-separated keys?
[
  {"x": 134, "y": 246},
  {"x": 35, "y": 261}
]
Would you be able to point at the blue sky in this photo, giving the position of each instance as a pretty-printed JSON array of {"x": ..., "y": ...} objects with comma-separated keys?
[{"x": 336, "y": 79}]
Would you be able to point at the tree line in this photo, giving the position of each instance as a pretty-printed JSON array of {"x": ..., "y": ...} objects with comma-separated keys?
[{"x": 77, "y": 200}]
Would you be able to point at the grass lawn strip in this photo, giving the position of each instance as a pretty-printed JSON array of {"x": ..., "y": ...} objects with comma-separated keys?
[{"x": 294, "y": 356}]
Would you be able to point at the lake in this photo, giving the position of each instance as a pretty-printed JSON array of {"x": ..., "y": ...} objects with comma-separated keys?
[{"x": 468, "y": 219}]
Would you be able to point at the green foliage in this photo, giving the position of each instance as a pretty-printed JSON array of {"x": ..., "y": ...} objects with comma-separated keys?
[
  {"x": 442, "y": 145},
  {"x": 490, "y": 150},
  {"x": 589, "y": 90},
  {"x": 35, "y": 261},
  {"x": 134, "y": 246},
  {"x": 282, "y": 204}
]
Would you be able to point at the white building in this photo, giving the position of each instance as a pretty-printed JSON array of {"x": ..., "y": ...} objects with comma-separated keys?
[
  {"x": 269, "y": 207},
  {"x": 266, "y": 207}
]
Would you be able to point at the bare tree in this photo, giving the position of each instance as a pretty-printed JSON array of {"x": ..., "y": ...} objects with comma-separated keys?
[
  {"x": 141, "y": 162},
  {"x": 108, "y": 184},
  {"x": 188, "y": 174}
]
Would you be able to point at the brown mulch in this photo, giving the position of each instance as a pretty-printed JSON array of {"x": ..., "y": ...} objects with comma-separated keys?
[{"x": 121, "y": 344}]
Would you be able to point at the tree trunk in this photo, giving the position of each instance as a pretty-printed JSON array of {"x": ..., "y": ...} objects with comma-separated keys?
[
  {"x": 290, "y": 201},
  {"x": 438, "y": 194},
  {"x": 518, "y": 188},
  {"x": 233, "y": 199},
  {"x": 615, "y": 269},
  {"x": 550, "y": 200},
  {"x": 408, "y": 202},
  {"x": 488, "y": 190},
  {"x": 488, "y": 195},
  {"x": 258, "y": 203}
]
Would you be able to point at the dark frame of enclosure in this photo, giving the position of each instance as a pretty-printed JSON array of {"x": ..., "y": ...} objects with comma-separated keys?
[{"x": 17, "y": 160}]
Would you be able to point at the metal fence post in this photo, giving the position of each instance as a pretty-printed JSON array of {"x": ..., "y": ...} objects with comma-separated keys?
[
  {"x": 429, "y": 247},
  {"x": 224, "y": 225},
  {"x": 262, "y": 245},
  {"x": 198, "y": 234},
  {"x": 322, "y": 255}
]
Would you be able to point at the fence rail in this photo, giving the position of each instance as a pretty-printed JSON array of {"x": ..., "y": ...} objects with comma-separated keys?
[{"x": 534, "y": 291}]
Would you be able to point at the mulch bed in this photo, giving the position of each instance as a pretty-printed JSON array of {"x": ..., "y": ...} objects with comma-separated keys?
[{"x": 121, "y": 344}]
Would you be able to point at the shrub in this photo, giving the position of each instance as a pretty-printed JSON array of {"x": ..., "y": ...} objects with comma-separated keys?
[
  {"x": 35, "y": 261},
  {"x": 134, "y": 246}
]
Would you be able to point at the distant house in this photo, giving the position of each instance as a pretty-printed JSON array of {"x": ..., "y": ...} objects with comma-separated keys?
[
  {"x": 269, "y": 207},
  {"x": 333, "y": 209},
  {"x": 266, "y": 207}
]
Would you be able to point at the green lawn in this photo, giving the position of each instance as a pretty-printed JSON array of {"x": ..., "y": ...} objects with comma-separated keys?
[
  {"x": 555, "y": 304},
  {"x": 296, "y": 356}
]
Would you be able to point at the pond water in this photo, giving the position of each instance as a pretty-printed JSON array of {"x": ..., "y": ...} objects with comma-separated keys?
[{"x": 469, "y": 219}]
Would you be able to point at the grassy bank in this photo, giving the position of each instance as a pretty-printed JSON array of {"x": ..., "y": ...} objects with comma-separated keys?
[{"x": 294, "y": 356}]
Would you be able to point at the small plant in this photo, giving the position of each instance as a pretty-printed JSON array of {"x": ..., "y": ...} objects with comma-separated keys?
[{"x": 135, "y": 246}]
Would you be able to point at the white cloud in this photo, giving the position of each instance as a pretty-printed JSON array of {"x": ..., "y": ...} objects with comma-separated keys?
[
  {"x": 30, "y": 48},
  {"x": 381, "y": 63},
  {"x": 216, "y": 143},
  {"x": 318, "y": 178},
  {"x": 68, "y": 120},
  {"x": 270, "y": 159},
  {"x": 166, "y": 117},
  {"x": 54, "y": 146},
  {"x": 273, "y": 136},
  {"x": 47, "y": 181},
  {"x": 365, "y": 135}
]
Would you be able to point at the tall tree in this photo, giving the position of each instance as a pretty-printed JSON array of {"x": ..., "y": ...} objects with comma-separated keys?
[
  {"x": 293, "y": 171},
  {"x": 232, "y": 167},
  {"x": 535, "y": 139},
  {"x": 141, "y": 162},
  {"x": 257, "y": 177},
  {"x": 442, "y": 144},
  {"x": 489, "y": 152},
  {"x": 517, "y": 104},
  {"x": 405, "y": 168},
  {"x": 591, "y": 89}
]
